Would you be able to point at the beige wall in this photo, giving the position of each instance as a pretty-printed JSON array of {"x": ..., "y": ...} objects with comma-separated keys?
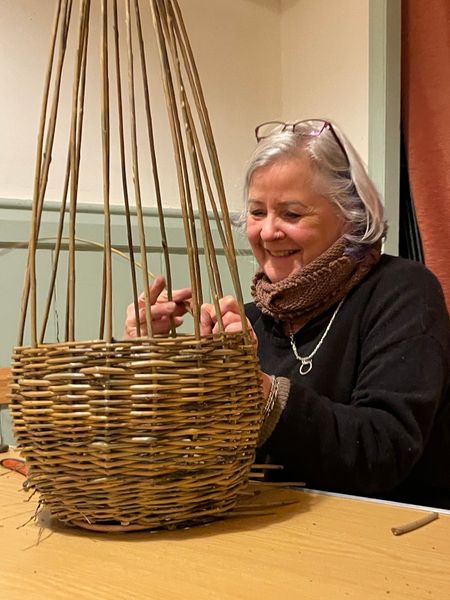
[
  {"x": 325, "y": 50},
  {"x": 258, "y": 60}
]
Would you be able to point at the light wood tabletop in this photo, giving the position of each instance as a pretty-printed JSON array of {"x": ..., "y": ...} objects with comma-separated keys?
[{"x": 322, "y": 547}]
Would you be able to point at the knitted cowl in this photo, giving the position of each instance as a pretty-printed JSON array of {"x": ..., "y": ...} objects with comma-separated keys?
[{"x": 309, "y": 291}]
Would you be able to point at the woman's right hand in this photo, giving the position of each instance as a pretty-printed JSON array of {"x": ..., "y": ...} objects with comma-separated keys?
[{"x": 161, "y": 309}]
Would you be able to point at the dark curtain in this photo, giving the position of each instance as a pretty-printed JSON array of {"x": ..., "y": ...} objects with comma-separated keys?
[{"x": 410, "y": 242}]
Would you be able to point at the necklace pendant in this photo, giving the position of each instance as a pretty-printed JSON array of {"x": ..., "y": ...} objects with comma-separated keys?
[
  {"x": 305, "y": 367},
  {"x": 306, "y": 361}
]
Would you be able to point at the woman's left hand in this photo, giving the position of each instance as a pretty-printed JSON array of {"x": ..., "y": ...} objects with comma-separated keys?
[{"x": 231, "y": 317}]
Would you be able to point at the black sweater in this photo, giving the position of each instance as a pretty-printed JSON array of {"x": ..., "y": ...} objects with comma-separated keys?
[{"x": 373, "y": 415}]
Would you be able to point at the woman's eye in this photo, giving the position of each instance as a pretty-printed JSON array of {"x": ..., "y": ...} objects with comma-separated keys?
[
  {"x": 292, "y": 216},
  {"x": 256, "y": 213}
]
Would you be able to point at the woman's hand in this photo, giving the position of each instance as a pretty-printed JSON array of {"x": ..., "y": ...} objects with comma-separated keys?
[
  {"x": 231, "y": 317},
  {"x": 161, "y": 309}
]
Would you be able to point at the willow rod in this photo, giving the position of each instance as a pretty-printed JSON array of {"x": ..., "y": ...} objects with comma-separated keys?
[
  {"x": 408, "y": 527},
  {"x": 192, "y": 72},
  {"x": 200, "y": 157},
  {"x": 183, "y": 182},
  {"x": 53, "y": 116},
  {"x": 208, "y": 187},
  {"x": 83, "y": 22},
  {"x": 207, "y": 183},
  {"x": 123, "y": 169},
  {"x": 190, "y": 221},
  {"x": 30, "y": 274},
  {"x": 57, "y": 248},
  {"x": 172, "y": 106},
  {"x": 211, "y": 261},
  {"x": 106, "y": 169},
  {"x": 154, "y": 162},
  {"x": 137, "y": 186}
]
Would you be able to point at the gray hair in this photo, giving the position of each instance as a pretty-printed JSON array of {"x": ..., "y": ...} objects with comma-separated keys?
[{"x": 342, "y": 178}]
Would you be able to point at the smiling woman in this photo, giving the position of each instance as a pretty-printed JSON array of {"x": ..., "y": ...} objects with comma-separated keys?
[{"x": 354, "y": 346}]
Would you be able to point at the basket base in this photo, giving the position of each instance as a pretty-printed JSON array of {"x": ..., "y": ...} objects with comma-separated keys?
[{"x": 109, "y": 528}]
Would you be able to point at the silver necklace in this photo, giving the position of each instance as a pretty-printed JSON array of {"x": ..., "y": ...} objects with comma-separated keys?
[{"x": 306, "y": 361}]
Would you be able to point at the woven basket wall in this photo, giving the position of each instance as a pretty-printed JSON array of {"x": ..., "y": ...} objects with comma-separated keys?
[{"x": 159, "y": 431}]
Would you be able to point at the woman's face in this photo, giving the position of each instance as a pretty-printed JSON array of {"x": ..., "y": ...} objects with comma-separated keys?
[{"x": 288, "y": 223}]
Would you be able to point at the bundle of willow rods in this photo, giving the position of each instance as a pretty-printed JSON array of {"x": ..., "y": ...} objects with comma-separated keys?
[{"x": 159, "y": 431}]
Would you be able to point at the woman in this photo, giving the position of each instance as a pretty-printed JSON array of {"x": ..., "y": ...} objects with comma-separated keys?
[{"x": 353, "y": 345}]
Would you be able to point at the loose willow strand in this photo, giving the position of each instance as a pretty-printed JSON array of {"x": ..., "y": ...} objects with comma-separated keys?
[{"x": 88, "y": 243}]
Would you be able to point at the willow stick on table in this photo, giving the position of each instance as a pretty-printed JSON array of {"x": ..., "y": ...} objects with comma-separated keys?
[{"x": 407, "y": 527}]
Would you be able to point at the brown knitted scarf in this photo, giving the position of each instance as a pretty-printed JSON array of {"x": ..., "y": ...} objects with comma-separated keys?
[{"x": 311, "y": 290}]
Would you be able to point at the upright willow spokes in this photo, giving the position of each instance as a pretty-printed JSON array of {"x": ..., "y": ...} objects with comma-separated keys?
[{"x": 121, "y": 44}]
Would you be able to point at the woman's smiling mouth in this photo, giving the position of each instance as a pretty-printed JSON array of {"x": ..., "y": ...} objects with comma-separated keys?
[{"x": 280, "y": 253}]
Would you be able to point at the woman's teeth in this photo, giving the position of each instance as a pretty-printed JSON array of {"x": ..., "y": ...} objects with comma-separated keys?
[{"x": 278, "y": 253}]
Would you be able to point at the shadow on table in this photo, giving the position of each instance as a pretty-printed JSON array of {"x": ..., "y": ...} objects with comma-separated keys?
[{"x": 269, "y": 505}]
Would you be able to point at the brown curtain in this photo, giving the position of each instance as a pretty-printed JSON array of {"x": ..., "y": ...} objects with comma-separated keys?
[{"x": 426, "y": 125}]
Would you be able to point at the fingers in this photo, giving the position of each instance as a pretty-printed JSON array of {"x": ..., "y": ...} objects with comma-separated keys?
[
  {"x": 163, "y": 324},
  {"x": 155, "y": 290},
  {"x": 160, "y": 309},
  {"x": 159, "y": 327},
  {"x": 231, "y": 317},
  {"x": 207, "y": 319},
  {"x": 181, "y": 295}
]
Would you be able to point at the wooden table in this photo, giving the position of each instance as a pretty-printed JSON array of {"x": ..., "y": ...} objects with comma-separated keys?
[{"x": 323, "y": 547}]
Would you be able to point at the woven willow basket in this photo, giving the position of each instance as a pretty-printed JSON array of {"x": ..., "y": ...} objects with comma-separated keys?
[
  {"x": 159, "y": 431},
  {"x": 153, "y": 434}
]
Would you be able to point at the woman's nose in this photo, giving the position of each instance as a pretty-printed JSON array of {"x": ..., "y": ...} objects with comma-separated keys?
[{"x": 270, "y": 231}]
